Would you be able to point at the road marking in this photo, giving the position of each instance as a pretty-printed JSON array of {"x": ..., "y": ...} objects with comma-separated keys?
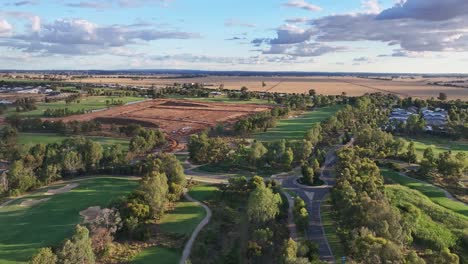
[{"x": 310, "y": 195}]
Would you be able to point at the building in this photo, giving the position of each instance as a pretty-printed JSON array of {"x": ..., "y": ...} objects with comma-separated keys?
[
  {"x": 400, "y": 115},
  {"x": 436, "y": 118}
]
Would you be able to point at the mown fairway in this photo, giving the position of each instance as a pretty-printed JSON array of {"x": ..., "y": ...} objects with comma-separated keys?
[
  {"x": 46, "y": 138},
  {"x": 436, "y": 195},
  {"x": 181, "y": 221},
  {"x": 296, "y": 128},
  {"x": 25, "y": 229},
  {"x": 438, "y": 145},
  {"x": 86, "y": 103}
]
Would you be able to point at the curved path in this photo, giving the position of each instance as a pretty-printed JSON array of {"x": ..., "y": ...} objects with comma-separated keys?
[
  {"x": 203, "y": 223},
  {"x": 313, "y": 196},
  {"x": 54, "y": 184},
  {"x": 448, "y": 195}
]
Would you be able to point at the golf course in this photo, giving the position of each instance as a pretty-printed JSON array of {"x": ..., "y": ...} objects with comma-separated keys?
[
  {"x": 41, "y": 219},
  {"x": 295, "y": 127}
]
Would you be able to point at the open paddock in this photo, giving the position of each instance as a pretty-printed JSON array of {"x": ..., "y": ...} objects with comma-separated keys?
[
  {"x": 175, "y": 117},
  {"x": 327, "y": 85}
]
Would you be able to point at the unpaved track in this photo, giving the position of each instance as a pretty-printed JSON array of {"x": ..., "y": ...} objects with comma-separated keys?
[{"x": 203, "y": 223}]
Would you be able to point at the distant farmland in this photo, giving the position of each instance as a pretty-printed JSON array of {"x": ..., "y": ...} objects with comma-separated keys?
[{"x": 352, "y": 86}]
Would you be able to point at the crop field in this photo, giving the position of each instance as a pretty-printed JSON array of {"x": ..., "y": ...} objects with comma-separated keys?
[
  {"x": 24, "y": 229},
  {"x": 46, "y": 138},
  {"x": 86, "y": 103},
  {"x": 353, "y": 86},
  {"x": 433, "y": 193},
  {"x": 175, "y": 117},
  {"x": 294, "y": 128},
  {"x": 438, "y": 145}
]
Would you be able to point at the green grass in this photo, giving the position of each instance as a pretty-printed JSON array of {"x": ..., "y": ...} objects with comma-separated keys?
[
  {"x": 432, "y": 192},
  {"x": 157, "y": 255},
  {"x": 181, "y": 221},
  {"x": 46, "y": 138},
  {"x": 438, "y": 145},
  {"x": 26, "y": 229},
  {"x": 296, "y": 128},
  {"x": 432, "y": 226},
  {"x": 86, "y": 103},
  {"x": 330, "y": 226}
]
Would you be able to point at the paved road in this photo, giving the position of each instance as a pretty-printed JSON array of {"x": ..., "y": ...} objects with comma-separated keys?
[
  {"x": 313, "y": 197},
  {"x": 203, "y": 223}
]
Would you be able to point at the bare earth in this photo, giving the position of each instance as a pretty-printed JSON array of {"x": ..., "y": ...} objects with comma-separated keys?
[
  {"x": 175, "y": 117},
  {"x": 63, "y": 189},
  {"x": 90, "y": 214},
  {"x": 353, "y": 86},
  {"x": 32, "y": 202}
]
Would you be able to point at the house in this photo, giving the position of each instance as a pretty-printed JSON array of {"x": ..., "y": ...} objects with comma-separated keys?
[
  {"x": 437, "y": 118},
  {"x": 400, "y": 115}
]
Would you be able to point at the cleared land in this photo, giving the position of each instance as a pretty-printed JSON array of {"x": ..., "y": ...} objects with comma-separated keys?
[
  {"x": 26, "y": 229},
  {"x": 353, "y": 86},
  {"x": 175, "y": 117},
  {"x": 433, "y": 193},
  {"x": 46, "y": 138},
  {"x": 181, "y": 221},
  {"x": 295, "y": 127}
]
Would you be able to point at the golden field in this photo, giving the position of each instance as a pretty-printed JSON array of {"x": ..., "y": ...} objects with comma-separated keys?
[{"x": 352, "y": 86}]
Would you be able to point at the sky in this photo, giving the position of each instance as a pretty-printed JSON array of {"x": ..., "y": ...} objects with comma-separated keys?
[{"x": 407, "y": 36}]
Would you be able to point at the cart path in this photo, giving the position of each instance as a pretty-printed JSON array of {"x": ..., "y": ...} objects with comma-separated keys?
[{"x": 203, "y": 223}]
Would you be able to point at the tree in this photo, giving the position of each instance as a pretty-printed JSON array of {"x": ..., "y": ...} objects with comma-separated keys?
[
  {"x": 44, "y": 256},
  {"x": 92, "y": 154},
  {"x": 442, "y": 96},
  {"x": 263, "y": 205},
  {"x": 20, "y": 178},
  {"x": 288, "y": 158},
  {"x": 155, "y": 189},
  {"x": 411, "y": 153},
  {"x": 78, "y": 249},
  {"x": 307, "y": 175},
  {"x": 257, "y": 151},
  {"x": 72, "y": 162}
]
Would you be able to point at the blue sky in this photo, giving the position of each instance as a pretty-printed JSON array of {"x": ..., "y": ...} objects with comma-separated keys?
[{"x": 299, "y": 35}]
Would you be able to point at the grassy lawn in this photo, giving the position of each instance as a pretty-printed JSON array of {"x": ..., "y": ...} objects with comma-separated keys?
[
  {"x": 158, "y": 255},
  {"x": 181, "y": 221},
  {"x": 330, "y": 226},
  {"x": 433, "y": 193},
  {"x": 296, "y": 128},
  {"x": 45, "y": 138},
  {"x": 25, "y": 229},
  {"x": 438, "y": 145},
  {"x": 86, "y": 103}
]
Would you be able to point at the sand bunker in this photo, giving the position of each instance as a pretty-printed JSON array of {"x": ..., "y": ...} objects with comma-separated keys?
[
  {"x": 31, "y": 202},
  {"x": 64, "y": 189},
  {"x": 90, "y": 214}
]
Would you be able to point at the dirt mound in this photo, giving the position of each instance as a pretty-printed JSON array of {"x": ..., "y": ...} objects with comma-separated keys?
[
  {"x": 186, "y": 104},
  {"x": 32, "y": 202},
  {"x": 90, "y": 214},
  {"x": 64, "y": 189}
]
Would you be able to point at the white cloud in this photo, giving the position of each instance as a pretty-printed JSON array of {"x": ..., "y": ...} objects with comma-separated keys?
[
  {"x": 371, "y": 6},
  {"x": 81, "y": 37},
  {"x": 5, "y": 28},
  {"x": 302, "y": 4}
]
